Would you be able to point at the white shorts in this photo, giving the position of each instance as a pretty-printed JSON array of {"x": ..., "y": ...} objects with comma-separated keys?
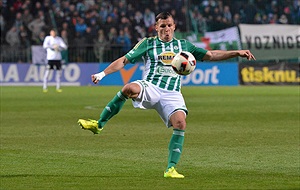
[{"x": 165, "y": 102}]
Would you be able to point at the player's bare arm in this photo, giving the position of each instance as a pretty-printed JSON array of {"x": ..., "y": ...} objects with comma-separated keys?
[
  {"x": 116, "y": 65},
  {"x": 219, "y": 55}
]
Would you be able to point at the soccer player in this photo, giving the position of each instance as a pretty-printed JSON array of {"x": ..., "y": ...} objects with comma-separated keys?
[
  {"x": 54, "y": 45},
  {"x": 160, "y": 87}
]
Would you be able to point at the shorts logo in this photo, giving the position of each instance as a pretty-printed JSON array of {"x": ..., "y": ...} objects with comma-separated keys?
[{"x": 166, "y": 57}]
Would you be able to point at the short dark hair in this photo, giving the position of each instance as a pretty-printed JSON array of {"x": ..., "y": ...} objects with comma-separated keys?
[{"x": 163, "y": 15}]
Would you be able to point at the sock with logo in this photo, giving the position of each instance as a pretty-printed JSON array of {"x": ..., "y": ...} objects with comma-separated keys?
[
  {"x": 112, "y": 108},
  {"x": 175, "y": 147}
]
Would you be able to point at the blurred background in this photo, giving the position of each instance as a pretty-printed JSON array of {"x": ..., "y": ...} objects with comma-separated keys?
[{"x": 102, "y": 30}]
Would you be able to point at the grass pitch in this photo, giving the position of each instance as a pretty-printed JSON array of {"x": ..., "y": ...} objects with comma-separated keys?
[{"x": 236, "y": 138}]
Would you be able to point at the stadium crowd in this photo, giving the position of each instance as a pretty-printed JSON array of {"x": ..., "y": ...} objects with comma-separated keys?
[{"x": 102, "y": 25}]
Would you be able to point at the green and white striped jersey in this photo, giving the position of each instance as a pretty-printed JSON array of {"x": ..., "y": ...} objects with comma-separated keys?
[{"x": 157, "y": 56}]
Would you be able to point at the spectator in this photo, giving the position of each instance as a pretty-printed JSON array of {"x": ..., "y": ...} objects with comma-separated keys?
[
  {"x": 130, "y": 12},
  {"x": 193, "y": 15},
  {"x": 80, "y": 51},
  {"x": 149, "y": 18},
  {"x": 127, "y": 32},
  {"x": 40, "y": 39},
  {"x": 27, "y": 5},
  {"x": 89, "y": 17},
  {"x": 250, "y": 11},
  {"x": 264, "y": 19},
  {"x": 12, "y": 37},
  {"x": 138, "y": 19},
  {"x": 140, "y": 33},
  {"x": 80, "y": 7},
  {"x": 89, "y": 4},
  {"x": 124, "y": 22},
  {"x": 18, "y": 5},
  {"x": 35, "y": 10},
  {"x": 27, "y": 17},
  {"x": 112, "y": 35},
  {"x": 114, "y": 14},
  {"x": 64, "y": 53},
  {"x": 80, "y": 26},
  {"x": 37, "y": 25},
  {"x": 227, "y": 13},
  {"x": 112, "y": 38},
  {"x": 66, "y": 7},
  {"x": 122, "y": 8},
  {"x": 94, "y": 27},
  {"x": 100, "y": 44},
  {"x": 89, "y": 40},
  {"x": 18, "y": 21},
  {"x": 207, "y": 12},
  {"x": 283, "y": 19},
  {"x": 110, "y": 23},
  {"x": 24, "y": 37},
  {"x": 201, "y": 23},
  {"x": 123, "y": 41},
  {"x": 103, "y": 13},
  {"x": 69, "y": 30},
  {"x": 236, "y": 19},
  {"x": 156, "y": 6},
  {"x": 182, "y": 20},
  {"x": 64, "y": 36},
  {"x": 273, "y": 18}
]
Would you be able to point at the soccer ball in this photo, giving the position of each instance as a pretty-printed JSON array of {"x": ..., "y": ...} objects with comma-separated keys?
[{"x": 184, "y": 63}]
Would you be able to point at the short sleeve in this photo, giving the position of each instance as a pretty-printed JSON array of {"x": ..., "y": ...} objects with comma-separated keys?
[
  {"x": 198, "y": 53},
  {"x": 137, "y": 51}
]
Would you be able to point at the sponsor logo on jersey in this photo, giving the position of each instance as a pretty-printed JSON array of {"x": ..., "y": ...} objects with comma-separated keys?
[
  {"x": 166, "y": 57},
  {"x": 168, "y": 71}
]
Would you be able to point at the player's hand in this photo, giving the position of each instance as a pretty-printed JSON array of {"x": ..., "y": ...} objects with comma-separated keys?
[
  {"x": 55, "y": 47},
  {"x": 97, "y": 77},
  {"x": 247, "y": 54},
  {"x": 94, "y": 79}
]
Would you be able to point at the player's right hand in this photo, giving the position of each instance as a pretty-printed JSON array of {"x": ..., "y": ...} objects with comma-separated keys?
[
  {"x": 94, "y": 79},
  {"x": 97, "y": 77}
]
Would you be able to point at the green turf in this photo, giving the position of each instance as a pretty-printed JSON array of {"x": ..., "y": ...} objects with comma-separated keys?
[{"x": 236, "y": 138}]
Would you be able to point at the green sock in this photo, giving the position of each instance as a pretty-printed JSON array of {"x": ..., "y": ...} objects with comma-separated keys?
[
  {"x": 175, "y": 147},
  {"x": 112, "y": 108}
]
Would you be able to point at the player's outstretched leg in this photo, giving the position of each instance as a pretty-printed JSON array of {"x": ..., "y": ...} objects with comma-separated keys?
[
  {"x": 175, "y": 150},
  {"x": 111, "y": 109}
]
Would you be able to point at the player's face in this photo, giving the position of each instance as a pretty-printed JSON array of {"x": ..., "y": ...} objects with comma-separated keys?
[
  {"x": 165, "y": 29},
  {"x": 53, "y": 33}
]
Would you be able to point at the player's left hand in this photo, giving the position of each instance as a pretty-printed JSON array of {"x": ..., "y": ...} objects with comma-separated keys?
[{"x": 247, "y": 54}]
